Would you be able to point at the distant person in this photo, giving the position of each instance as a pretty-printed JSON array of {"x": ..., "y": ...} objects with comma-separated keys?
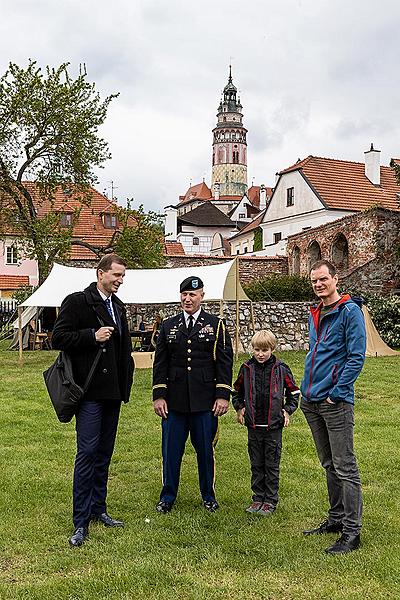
[
  {"x": 333, "y": 363},
  {"x": 192, "y": 379},
  {"x": 264, "y": 398},
  {"x": 88, "y": 319}
]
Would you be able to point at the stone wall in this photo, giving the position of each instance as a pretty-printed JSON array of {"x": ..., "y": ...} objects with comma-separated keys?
[
  {"x": 287, "y": 320},
  {"x": 250, "y": 267},
  {"x": 371, "y": 236}
]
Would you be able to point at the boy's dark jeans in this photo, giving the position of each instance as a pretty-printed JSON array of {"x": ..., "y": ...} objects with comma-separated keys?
[
  {"x": 332, "y": 428},
  {"x": 265, "y": 447}
]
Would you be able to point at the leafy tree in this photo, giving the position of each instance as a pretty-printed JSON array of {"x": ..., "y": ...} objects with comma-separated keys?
[
  {"x": 258, "y": 239},
  {"x": 280, "y": 288},
  {"x": 49, "y": 137},
  {"x": 140, "y": 240}
]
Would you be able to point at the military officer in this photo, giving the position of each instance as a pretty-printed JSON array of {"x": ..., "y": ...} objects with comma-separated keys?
[{"x": 192, "y": 378}]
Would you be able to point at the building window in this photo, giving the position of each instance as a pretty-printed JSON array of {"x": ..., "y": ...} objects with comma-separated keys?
[
  {"x": 235, "y": 157},
  {"x": 277, "y": 237},
  {"x": 242, "y": 215},
  {"x": 11, "y": 255},
  {"x": 245, "y": 249},
  {"x": 110, "y": 221},
  {"x": 66, "y": 219},
  {"x": 290, "y": 196},
  {"x": 196, "y": 241}
]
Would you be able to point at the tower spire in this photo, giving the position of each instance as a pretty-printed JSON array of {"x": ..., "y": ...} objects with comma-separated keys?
[{"x": 230, "y": 74}]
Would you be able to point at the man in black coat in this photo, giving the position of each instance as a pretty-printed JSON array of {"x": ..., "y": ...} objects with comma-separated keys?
[
  {"x": 192, "y": 380},
  {"x": 89, "y": 320}
]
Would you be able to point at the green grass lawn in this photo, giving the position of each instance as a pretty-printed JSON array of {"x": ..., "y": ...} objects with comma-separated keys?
[{"x": 189, "y": 553}]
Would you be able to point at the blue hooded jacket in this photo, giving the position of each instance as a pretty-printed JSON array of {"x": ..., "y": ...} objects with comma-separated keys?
[{"x": 337, "y": 352}]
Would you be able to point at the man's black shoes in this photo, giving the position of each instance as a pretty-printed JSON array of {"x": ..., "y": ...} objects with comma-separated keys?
[
  {"x": 107, "y": 520},
  {"x": 346, "y": 543},
  {"x": 163, "y": 507},
  {"x": 78, "y": 537},
  {"x": 211, "y": 505},
  {"x": 324, "y": 527}
]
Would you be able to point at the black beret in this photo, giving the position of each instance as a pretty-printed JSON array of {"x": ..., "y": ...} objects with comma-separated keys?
[{"x": 191, "y": 283}]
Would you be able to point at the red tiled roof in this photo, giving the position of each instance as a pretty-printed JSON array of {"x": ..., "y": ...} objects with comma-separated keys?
[
  {"x": 200, "y": 191},
  {"x": 89, "y": 227},
  {"x": 173, "y": 249},
  {"x": 343, "y": 184},
  {"x": 253, "y": 194},
  {"x": 250, "y": 226},
  {"x": 13, "y": 282}
]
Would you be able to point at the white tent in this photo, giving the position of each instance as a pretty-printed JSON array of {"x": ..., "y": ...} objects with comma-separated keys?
[{"x": 141, "y": 286}]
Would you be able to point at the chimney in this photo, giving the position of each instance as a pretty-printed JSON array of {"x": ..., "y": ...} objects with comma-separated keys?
[
  {"x": 216, "y": 191},
  {"x": 263, "y": 197},
  {"x": 373, "y": 165},
  {"x": 171, "y": 224}
]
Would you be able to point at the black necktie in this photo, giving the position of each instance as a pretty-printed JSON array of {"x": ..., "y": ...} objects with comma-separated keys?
[
  {"x": 190, "y": 324},
  {"x": 109, "y": 309}
]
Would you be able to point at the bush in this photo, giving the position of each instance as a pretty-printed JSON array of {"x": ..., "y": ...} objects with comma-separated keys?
[
  {"x": 385, "y": 313},
  {"x": 280, "y": 288},
  {"x": 22, "y": 293}
]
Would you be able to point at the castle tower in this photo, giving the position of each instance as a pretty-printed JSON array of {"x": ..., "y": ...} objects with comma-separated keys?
[{"x": 229, "y": 163}]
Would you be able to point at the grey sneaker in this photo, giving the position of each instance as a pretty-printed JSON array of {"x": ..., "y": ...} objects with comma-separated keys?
[
  {"x": 254, "y": 507},
  {"x": 266, "y": 509}
]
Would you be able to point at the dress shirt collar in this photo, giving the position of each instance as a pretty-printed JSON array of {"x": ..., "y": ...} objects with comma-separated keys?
[{"x": 195, "y": 316}]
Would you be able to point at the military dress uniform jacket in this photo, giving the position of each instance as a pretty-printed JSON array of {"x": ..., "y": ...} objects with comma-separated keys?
[
  {"x": 81, "y": 315},
  {"x": 191, "y": 371}
]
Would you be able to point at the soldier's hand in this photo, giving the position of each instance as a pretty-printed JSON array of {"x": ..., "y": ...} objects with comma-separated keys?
[
  {"x": 103, "y": 334},
  {"x": 161, "y": 408},
  {"x": 220, "y": 407}
]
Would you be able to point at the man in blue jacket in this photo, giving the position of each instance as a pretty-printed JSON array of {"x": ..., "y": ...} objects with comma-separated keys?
[{"x": 333, "y": 363}]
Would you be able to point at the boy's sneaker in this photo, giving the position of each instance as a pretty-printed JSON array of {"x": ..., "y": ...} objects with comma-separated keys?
[
  {"x": 266, "y": 509},
  {"x": 254, "y": 507}
]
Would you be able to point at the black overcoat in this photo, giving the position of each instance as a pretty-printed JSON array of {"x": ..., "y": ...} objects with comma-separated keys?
[
  {"x": 191, "y": 371},
  {"x": 74, "y": 332}
]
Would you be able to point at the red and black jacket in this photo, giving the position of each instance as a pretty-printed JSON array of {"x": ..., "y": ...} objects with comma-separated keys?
[{"x": 281, "y": 393}]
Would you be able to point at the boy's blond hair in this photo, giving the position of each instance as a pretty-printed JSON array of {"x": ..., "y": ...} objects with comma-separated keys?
[{"x": 264, "y": 339}]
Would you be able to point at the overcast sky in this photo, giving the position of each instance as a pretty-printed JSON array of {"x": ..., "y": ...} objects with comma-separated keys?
[{"x": 315, "y": 77}]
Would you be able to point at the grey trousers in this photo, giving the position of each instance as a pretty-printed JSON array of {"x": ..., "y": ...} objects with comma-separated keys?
[{"x": 332, "y": 428}]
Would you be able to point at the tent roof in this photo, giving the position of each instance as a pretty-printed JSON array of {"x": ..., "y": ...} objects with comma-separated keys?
[{"x": 141, "y": 286}]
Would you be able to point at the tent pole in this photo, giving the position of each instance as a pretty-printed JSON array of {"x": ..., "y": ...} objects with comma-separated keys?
[
  {"x": 20, "y": 333},
  {"x": 237, "y": 308},
  {"x": 253, "y": 324}
]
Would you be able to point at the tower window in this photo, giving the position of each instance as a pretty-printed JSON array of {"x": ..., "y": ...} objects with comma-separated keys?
[
  {"x": 277, "y": 237},
  {"x": 290, "y": 196}
]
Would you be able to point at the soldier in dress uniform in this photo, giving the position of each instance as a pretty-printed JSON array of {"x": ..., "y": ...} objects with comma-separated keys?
[{"x": 192, "y": 378}]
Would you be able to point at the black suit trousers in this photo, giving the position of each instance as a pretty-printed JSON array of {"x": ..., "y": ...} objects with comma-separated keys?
[{"x": 96, "y": 429}]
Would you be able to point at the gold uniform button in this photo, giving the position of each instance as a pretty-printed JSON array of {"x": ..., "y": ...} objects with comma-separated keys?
[
  {"x": 189, "y": 350},
  {"x": 189, "y": 358},
  {"x": 189, "y": 341},
  {"x": 189, "y": 368}
]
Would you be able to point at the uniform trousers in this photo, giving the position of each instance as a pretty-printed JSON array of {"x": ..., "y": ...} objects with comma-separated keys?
[
  {"x": 203, "y": 427},
  {"x": 96, "y": 429},
  {"x": 332, "y": 428},
  {"x": 265, "y": 447}
]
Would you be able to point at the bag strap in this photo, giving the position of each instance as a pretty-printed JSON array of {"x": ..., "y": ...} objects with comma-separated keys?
[{"x": 96, "y": 359}]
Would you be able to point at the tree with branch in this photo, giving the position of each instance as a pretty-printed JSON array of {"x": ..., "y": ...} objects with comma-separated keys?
[{"x": 49, "y": 138}]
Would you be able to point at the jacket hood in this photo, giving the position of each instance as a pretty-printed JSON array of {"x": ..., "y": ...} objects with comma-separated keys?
[{"x": 345, "y": 299}]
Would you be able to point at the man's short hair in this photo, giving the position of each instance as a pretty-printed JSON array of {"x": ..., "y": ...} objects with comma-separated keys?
[
  {"x": 107, "y": 260},
  {"x": 264, "y": 339},
  {"x": 324, "y": 263}
]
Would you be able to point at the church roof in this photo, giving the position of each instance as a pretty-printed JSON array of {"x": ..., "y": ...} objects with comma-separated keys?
[{"x": 343, "y": 185}]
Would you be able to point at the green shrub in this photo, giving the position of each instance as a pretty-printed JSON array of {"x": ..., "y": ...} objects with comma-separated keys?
[
  {"x": 22, "y": 293},
  {"x": 280, "y": 288},
  {"x": 385, "y": 313}
]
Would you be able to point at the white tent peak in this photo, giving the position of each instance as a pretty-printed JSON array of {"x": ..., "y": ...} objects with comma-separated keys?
[{"x": 141, "y": 286}]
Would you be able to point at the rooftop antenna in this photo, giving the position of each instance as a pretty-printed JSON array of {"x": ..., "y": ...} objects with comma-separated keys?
[{"x": 113, "y": 187}]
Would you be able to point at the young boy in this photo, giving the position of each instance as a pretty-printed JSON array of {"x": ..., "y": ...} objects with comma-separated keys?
[{"x": 262, "y": 383}]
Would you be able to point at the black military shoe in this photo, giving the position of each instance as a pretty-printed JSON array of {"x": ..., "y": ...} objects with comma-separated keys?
[
  {"x": 163, "y": 507},
  {"x": 107, "y": 520},
  {"x": 346, "y": 543},
  {"x": 211, "y": 505},
  {"x": 78, "y": 537},
  {"x": 324, "y": 527}
]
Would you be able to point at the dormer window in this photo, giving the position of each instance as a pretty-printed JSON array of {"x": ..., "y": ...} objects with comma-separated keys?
[
  {"x": 242, "y": 215},
  {"x": 109, "y": 221},
  {"x": 65, "y": 219},
  {"x": 196, "y": 241}
]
